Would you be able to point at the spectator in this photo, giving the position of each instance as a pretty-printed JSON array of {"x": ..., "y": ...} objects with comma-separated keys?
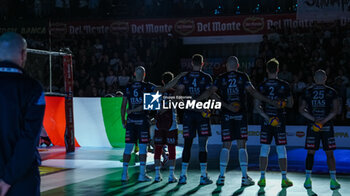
[{"x": 111, "y": 78}]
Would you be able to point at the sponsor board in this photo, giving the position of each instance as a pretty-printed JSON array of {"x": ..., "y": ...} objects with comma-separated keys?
[
  {"x": 296, "y": 135},
  {"x": 199, "y": 26}
]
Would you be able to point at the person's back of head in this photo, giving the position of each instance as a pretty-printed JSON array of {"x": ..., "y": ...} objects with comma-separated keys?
[
  {"x": 167, "y": 77},
  {"x": 140, "y": 73},
  {"x": 272, "y": 66},
  {"x": 13, "y": 48},
  {"x": 320, "y": 76},
  {"x": 232, "y": 63},
  {"x": 197, "y": 60}
]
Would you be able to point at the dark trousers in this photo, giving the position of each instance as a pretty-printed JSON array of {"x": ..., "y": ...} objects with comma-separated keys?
[{"x": 29, "y": 185}]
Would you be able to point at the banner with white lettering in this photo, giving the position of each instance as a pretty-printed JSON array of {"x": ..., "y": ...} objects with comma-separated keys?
[
  {"x": 295, "y": 135},
  {"x": 321, "y": 10},
  {"x": 201, "y": 26}
]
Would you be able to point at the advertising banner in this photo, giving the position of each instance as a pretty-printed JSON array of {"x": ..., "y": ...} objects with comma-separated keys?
[
  {"x": 295, "y": 135},
  {"x": 201, "y": 26}
]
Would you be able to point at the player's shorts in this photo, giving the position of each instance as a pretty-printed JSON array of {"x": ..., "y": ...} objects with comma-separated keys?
[
  {"x": 234, "y": 127},
  {"x": 137, "y": 129},
  {"x": 166, "y": 129},
  {"x": 194, "y": 122},
  {"x": 313, "y": 139},
  {"x": 269, "y": 132},
  {"x": 164, "y": 136}
]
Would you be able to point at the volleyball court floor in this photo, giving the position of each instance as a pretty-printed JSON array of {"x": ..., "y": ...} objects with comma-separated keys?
[{"x": 97, "y": 171}]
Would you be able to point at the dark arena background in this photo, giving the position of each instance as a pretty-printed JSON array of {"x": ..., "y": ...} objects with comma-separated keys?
[{"x": 84, "y": 53}]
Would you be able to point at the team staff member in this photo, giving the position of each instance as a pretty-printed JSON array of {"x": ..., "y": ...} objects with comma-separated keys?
[
  {"x": 320, "y": 105},
  {"x": 22, "y": 104},
  {"x": 274, "y": 123}
]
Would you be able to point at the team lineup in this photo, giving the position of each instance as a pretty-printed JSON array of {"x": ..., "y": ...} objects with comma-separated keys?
[{"x": 319, "y": 105}]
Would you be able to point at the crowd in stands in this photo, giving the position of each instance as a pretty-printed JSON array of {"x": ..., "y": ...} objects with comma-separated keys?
[
  {"x": 104, "y": 65},
  {"x": 301, "y": 52}
]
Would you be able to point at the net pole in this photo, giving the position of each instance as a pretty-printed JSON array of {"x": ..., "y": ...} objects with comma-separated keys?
[
  {"x": 50, "y": 57},
  {"x": 50, "y": 67}
]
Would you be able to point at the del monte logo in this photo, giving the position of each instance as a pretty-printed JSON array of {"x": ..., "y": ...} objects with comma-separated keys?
[
  {"x": 253, "y": 24},
  {"x": 184, "y": 27}
]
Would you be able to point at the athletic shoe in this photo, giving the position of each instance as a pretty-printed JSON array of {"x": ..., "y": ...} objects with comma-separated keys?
[
  {"x": 158, "y": 178},
  {"x": 286, "y": 183},
  {"x": 172, "y": 179},
  {"x": 183, "y": 179},
  {"x": 248, "y": 181},
  {"x": 125, "y": 178},
  {"x": 262, "y": 182},
  {"x": 307, "y": 183},
  {"x": 144, "y": 178},
  {"x": 205, "y": 180},
  {"x": 334, "y": 184},
  {"x": 220, "y": 181}
]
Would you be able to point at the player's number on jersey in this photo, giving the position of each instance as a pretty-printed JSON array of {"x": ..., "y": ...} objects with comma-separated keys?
[
  {"x": 232, "y": 83},
  {"x": 318, "y": 95},
  {"x": 194, "y": 82},
  {"x": 136, "y": 94},
  {"x": 272, "y": 91}
]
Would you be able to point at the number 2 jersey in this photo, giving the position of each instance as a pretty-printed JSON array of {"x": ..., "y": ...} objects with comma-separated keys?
[
  {"x": 195, "y": 82},
  {"x": 275, "y": 89},
  {"x": 231, "y": 88},
  {"x": 134, "y": 93},
  {"x": 319, "y": 100}
]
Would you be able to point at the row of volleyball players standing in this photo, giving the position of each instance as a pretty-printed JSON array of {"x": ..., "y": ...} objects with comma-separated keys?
[{"x": 319, "y": 105}]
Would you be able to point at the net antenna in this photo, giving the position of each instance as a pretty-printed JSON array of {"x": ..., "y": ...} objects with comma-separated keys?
[{"x": 68, "y": 85}]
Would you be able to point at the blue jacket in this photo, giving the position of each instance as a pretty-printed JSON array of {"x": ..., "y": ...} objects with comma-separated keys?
[{"x": 22, "y": 106}]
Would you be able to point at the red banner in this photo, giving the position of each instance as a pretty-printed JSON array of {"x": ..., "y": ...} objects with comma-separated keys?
[{"x": 208, "y": 26}]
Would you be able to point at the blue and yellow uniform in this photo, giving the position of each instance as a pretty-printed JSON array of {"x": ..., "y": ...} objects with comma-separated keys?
[
  {"x": 138, "y": 123},
  {"x": 277, "y": 90}
]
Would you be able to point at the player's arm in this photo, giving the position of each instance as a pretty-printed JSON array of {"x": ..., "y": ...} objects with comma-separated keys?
[
  {"x": 303, "y": 111},
  {"x": 259, "y": 109},
  {"x": 290, "y": 102},
  {"x": 207, "y": 93},
  {"x": 170, "y": 84},
  {"x": 250, "y": 88},
  {"x": 179, "y": 89},
  {"x": 333, "y": 113},
  {"x": 25, "y": 147},
  {"x": 123, "y": 110},
  {"x": 137, "y": 109},
  {"x": 223, "y": 103}
]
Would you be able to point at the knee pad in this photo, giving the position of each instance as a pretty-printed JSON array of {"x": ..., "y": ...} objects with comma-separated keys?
[
  {"x": 143, "y": 148},
  {"x": 128, "y": 148},
  {"x": 202, "y": 142},
  {"x": 281, "y": 151},
  {"x": 264, "y": 150}
]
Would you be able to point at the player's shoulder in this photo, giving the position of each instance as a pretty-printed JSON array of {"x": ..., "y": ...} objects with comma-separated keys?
[
  {"x": 330, "y": 89},
  {"x": 205, "y": 74},
  {"x": 283, "y": 82}
]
